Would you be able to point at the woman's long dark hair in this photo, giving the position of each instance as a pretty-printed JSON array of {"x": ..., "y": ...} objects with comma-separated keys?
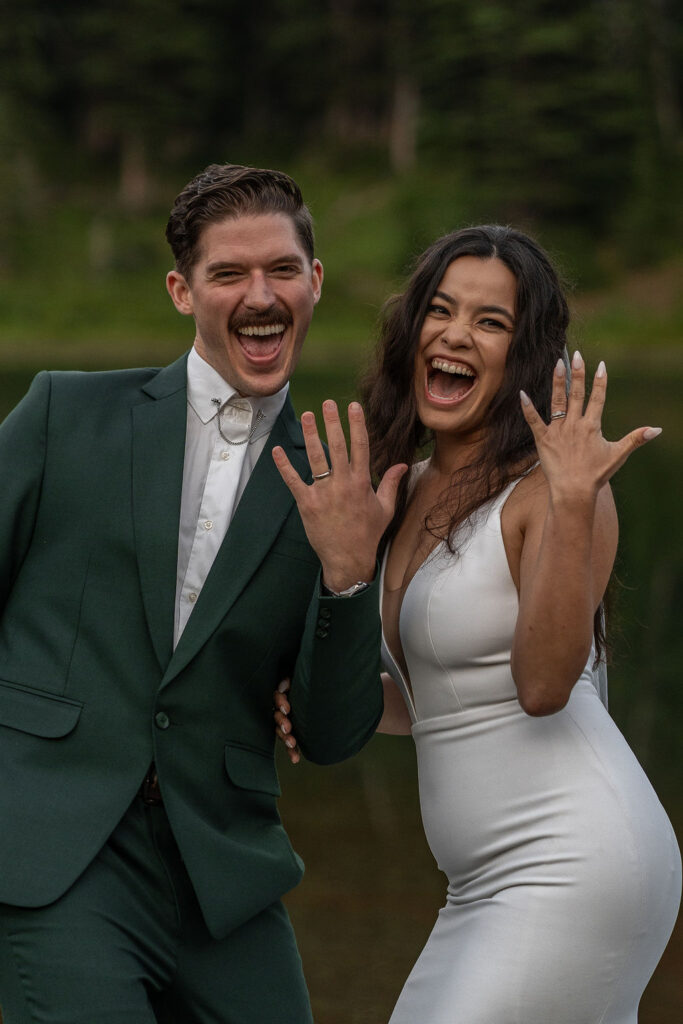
[{"x": 539, "y": 339}]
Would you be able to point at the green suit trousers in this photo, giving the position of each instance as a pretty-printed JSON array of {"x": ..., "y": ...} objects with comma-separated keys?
[{"x": 127, "y": 944}]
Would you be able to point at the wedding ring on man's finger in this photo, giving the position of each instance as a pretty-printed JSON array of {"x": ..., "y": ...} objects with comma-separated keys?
[
  {"x": 558, "y": 415},
  {"x": 321, "y": 476}
]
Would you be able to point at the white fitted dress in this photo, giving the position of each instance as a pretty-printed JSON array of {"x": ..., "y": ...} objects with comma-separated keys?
[{"x": 564, "y": 875}]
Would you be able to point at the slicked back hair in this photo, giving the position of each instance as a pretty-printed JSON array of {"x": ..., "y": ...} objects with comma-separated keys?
[{"x": 224, "y": 191}]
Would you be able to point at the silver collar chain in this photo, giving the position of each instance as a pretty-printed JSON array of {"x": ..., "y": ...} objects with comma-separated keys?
[{"x": 248, "y": 438}]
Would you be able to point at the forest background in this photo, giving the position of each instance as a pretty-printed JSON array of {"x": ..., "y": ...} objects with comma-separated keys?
[{"x": 400, "y": 121}]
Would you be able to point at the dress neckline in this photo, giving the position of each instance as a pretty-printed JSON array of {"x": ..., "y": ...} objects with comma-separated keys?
[{"x": 493, "y": 504}]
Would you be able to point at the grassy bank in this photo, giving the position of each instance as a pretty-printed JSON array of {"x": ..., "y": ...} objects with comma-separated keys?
[{"x": 82, "y": 284}]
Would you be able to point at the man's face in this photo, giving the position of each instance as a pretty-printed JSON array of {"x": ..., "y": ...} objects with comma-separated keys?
[{"x": 251, "y": 292}]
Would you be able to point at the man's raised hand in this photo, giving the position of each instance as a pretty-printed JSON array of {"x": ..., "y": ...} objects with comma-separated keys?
[{"x": 344, "y": 517}]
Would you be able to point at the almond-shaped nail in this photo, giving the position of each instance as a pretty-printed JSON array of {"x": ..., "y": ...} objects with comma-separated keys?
[
  {"x": 525, "y": 398},
  {"x": 560, "y": 368},
  {"x": 651, "y": 432},
  {"x": 601, "y": 370},
  {"x": 577, "y": 361}
]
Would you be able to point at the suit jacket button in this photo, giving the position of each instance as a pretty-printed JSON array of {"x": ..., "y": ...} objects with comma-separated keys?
[
  {"x": 321, "y": 632},
  {"x": 162, "y": 720},
  {"x": 325, "y": 613}
]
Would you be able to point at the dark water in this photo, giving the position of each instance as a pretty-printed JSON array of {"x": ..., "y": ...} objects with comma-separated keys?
[{"x": 371, "y": 890}]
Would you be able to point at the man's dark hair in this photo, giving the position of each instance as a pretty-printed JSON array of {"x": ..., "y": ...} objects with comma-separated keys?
[{"x": 226, "y": 191}]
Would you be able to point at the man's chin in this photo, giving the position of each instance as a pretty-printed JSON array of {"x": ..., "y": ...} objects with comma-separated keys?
[{"x": 260, "y": 385}]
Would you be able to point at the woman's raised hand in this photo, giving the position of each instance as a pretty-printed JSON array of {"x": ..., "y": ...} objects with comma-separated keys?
[
  {"x": 343, "y": 516},
  {"x": 575, "y": 457}
]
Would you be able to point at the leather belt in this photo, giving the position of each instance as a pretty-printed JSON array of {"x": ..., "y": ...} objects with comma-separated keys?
[{"x": 149, "y": 791}]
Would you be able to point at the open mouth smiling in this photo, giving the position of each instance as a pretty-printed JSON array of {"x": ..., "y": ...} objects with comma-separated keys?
[
  {"x": 261, "y": 341},
  {"x": 449, "y": 382}
]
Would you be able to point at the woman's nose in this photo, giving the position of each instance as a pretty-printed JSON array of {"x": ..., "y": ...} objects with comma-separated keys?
[{"x": 457, "y": 333}]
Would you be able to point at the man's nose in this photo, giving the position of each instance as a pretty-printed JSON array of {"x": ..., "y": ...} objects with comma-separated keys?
[{"x": 259, "y": 293}]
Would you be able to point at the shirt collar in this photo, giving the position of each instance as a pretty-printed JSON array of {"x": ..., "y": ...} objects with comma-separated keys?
[{"x": 204, "y": 384}]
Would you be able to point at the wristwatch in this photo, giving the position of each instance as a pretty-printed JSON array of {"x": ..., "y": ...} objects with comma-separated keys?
[{"x": 355, "y": 588}]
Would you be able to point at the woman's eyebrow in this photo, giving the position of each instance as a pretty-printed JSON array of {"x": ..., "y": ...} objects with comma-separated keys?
[
  {"x": 480, "y": 309},
  {"x": 497, "y": 309}
]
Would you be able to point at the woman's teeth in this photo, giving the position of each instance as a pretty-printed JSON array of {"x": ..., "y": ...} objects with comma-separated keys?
[
  {"x": 449, "y": 382},
  {"x": 445, "y": 367}
]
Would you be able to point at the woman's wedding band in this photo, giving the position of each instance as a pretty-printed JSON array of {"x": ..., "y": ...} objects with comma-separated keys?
[
  {"x": 321, "y": 476},
  {"x": 557, "y": 415}
]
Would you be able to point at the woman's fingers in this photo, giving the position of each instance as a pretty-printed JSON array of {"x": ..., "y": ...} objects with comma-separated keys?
[
  {"x": 629, "y": 443},
  {"x": 558, "y": 401},
  {"x": 577, "y": 388},
  {"x": 283, "y": 727},
  {"x": 531, "y": 416},
  {"x": 596, "y": 402}
]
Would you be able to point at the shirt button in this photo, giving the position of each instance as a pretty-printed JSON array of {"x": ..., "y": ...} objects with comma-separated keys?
[
  {"x": 225, "y": 456},
  {"x": 192, "y": 597},
  {"x": 208, "y": 525},
  {"x": 162, "y": 720}
]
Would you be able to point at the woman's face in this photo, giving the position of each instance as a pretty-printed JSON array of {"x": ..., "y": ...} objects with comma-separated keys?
[{"x": 464, "y": 341}]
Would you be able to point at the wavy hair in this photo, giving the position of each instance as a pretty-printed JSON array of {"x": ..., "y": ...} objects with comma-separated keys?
[{"x": 538, "y": 341}]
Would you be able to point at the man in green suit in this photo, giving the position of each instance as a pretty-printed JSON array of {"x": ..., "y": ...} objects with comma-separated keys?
[{"x": 157, "y": 582}]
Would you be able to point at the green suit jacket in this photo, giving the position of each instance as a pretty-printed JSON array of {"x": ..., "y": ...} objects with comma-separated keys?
[{"x": 91, "y": 690}]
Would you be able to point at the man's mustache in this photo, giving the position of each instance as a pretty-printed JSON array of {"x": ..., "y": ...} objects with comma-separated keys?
[{"x": 274, "y": 315}]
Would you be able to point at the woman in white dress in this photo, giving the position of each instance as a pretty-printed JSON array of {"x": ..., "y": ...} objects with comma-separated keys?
[{"x": 564, "y": 875}]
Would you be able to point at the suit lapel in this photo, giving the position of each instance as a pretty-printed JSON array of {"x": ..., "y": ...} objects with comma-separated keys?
[
  {"x": 262, "y": 510},
  {"x": 158, "y": 456}
]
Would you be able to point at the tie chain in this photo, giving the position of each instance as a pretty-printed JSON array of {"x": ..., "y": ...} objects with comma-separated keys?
[{"x": 247, "y": 439}]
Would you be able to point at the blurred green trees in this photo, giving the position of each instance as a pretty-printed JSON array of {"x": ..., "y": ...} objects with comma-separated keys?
[{"x": 541, "y": 111}]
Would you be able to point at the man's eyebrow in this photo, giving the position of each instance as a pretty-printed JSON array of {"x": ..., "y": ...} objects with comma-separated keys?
[
  {"x": 480, "y": 309},
  {"x": 226, "y": 264}
]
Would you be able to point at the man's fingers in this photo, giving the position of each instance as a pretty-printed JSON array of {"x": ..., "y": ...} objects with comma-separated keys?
[
  {"x": 360, "y": 445},
  {"x": 317, "y": 459},
  {"x": 336, "y": 442},
  {"x": 388, "y": 487},
  {"x": 288, "y": 473}
]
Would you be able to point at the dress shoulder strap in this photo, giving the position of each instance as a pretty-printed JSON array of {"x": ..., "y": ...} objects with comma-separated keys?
[{"x": 500, "y": 499}]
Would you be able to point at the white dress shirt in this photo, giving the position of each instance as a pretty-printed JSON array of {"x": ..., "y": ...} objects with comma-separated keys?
[{"x": 215, "y": 473}]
